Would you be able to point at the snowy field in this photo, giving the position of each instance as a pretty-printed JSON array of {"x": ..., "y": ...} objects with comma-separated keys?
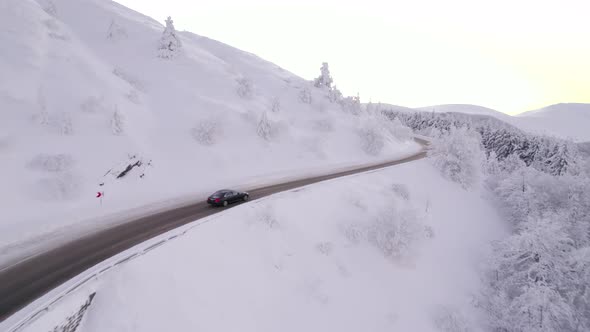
[{"x": 86, "y": 92}]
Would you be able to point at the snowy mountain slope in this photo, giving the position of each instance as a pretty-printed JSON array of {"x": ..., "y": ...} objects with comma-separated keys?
[
  {"x": 564, "y": 120},
  {"x": 84, "y": 95},
  {"x": 467, "y": 109},
  {"x": 273, "y": 266}
]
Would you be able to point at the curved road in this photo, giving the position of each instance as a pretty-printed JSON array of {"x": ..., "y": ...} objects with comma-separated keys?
[{"x": 24, "y": 282}]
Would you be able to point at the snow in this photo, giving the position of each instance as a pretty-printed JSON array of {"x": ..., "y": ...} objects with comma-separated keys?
[
  {"x": 392, "y": 250},
  {"x": 83, "y": 91},
  {"x": 467, "y": 109},
  {"x": 562, "y": 120},
  {"x": 570, "y": 121}
]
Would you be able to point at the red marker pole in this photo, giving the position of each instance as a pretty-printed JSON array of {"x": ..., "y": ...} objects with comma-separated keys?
[{"x": 99, "y": 195}]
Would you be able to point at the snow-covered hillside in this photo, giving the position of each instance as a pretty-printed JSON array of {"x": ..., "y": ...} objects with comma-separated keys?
[
  {"x": 90, "y": 88},
  {"x": 564, "y": 120},
  {"x": 570, "y": 121},
  {"x": 395, "y": 250},
  {"x": 467, "y": 109}
]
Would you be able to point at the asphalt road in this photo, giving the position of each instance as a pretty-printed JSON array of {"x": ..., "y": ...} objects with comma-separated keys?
[{"x": 24, "y": 282}]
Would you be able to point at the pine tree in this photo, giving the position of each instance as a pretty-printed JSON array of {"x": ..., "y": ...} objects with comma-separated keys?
[
  {"x": 324, "y": 80},
  {"x": 170, "y": 44},
  {"x": 264, "y": 127}
]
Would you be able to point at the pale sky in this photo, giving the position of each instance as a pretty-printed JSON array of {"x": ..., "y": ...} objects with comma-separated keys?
[{"x": 509, "y": 55}]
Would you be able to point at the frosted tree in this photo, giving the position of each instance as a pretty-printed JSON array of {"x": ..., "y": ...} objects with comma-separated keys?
[
  {"x": 459, "y": 156},
  {"x": 275, "y": 105},
  {"x": 351, "y": 105},
  {"x": 244, "y": 88},
  {"x": 117, "y": 123},
  {"x": 116, "y": 32},
  {"x": 170, "y": 44},
  {"x": 530, "y": 270},
  {"x": 334, "y": 95},
  {"x": 305, "y": 96},
  {"x": 324, "y": 80},
  {"x": 264, "y": 127}
]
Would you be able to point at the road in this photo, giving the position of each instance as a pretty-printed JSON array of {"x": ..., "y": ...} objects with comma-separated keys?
[{"x": 24, "y": 282}]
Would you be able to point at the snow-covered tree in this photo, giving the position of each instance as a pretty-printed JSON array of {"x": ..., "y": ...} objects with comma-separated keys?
[
  {"x": 264, "y": 127},
  {"x": 334, "y": 95},
  {"x": 117, "y": 123},
  {"x": 351, "y": 105},
  {"x": 459, "y": 156},
  {"x": 275, "y": 105},
  {"x": 325, "y": 79},
  {"x": 244, "y": 88},
  {"x": 116, "y": 32},
  {"x": 170, "y": 44},
  {"x": 305, "y": 96}
]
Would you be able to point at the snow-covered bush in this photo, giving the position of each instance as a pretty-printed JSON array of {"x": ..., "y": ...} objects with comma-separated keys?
[
  {"x": 396, "y": 232},
  {"x": 459, "y": 156},
  {"x": 53, "y": 163},
  {"x": 376, "y": 130},
  {"x": 395, "y": 128},
  {"x": 170, "y": 44},
  {"x": 351, "y": 105},
  {"x": 325, "y": 79},
  {"x": 264, "y": 127},
  {"x": 244, "y": 88},
  {"x": 305, "y": 96},
  {"x": 206, "y": 132},
  {"x": 372, "y": 139}
]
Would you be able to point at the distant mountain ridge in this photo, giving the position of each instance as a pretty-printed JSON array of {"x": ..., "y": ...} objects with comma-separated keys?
[{"x": 564, "y": 120}]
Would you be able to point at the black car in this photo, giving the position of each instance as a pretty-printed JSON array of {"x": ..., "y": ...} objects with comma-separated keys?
[{"x": 226, "y": 196}]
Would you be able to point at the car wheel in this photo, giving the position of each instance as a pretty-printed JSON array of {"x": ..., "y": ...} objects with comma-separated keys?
[
  {"x": 224, "y": 203},
  {"x": 246, "y": 197}
]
